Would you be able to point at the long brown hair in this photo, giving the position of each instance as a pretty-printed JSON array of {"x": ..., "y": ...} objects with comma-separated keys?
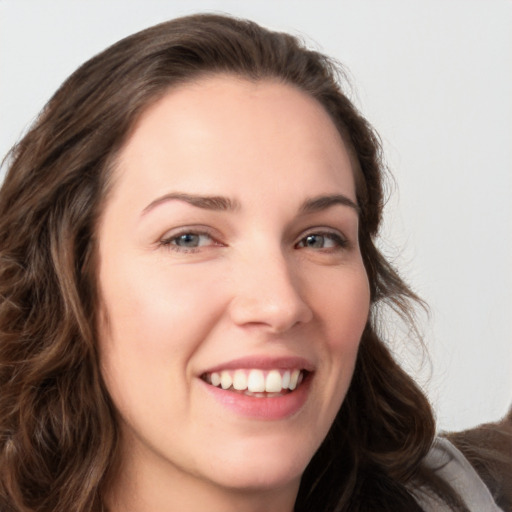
[{"x": 58, "y": 434}]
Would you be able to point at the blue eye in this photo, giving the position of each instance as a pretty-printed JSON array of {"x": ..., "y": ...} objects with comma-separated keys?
[
  {"x": 322, "y": 241},
  {"x": 187, "y": 241}
]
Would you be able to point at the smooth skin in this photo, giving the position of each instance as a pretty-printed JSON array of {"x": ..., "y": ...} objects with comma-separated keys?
[{"x": 188, "y": 284}]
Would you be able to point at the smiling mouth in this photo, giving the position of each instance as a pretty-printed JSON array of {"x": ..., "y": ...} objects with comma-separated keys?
[{"x": 257, "y": 383}]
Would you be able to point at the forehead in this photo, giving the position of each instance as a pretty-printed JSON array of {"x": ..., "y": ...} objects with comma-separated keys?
[{"x": 227, "y": 129}]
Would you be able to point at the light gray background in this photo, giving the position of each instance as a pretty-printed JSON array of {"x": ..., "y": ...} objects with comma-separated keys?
[{"x": 435, "y": 79}]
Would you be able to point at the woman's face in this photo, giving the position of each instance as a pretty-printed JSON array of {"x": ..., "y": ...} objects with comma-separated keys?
[{"x": 228, "y": 256}]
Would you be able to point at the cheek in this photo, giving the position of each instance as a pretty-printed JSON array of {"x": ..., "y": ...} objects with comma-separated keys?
[
  {"x": 158, "y": 307},
  {"x": 344, "y": 306},
  {"x": 153, "y": 322}
]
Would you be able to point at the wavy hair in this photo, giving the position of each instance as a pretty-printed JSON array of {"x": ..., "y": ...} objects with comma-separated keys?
[{"x": 59, "y": 440}]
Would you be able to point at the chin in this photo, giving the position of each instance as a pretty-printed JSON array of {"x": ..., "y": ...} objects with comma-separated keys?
[
  {"x": 268, "y": 478},
  {"x": 263, "y": 466}
]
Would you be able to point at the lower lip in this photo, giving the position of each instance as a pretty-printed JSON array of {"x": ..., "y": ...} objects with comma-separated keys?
[{"x": 272, "y": 408}]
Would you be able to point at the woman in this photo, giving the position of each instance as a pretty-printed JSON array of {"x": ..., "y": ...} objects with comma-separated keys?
[{"x": 190, "y": 290}]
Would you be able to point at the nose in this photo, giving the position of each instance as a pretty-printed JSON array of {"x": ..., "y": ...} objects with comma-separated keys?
[{"x": 267, "y": 292}]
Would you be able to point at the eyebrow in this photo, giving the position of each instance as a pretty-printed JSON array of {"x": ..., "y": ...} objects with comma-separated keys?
[
  {"x": 221, "y": 203},
  {"x": 320, "y": 203},
  {"x": 217, "y": 203}
]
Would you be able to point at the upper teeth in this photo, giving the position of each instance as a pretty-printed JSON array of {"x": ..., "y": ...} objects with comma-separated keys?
[{"x": 255, "y": 380}]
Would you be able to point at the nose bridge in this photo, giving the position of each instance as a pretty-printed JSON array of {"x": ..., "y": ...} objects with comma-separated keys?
[{"x": 267, "y": 290}]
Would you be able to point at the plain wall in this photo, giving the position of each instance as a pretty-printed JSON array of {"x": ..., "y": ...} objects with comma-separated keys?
[{"x": 435, "y": 79}]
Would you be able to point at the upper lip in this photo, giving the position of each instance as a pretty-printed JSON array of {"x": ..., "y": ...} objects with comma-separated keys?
[{"x": 264, "y": 363}]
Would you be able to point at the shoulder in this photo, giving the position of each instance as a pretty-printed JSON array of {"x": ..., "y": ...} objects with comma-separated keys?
[
  {"x": 488, "y": 448},
  {"x": 452, "y": 467}
]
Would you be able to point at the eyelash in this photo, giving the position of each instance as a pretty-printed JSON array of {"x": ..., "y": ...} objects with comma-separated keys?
[{"x": 169, "y": 242}]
